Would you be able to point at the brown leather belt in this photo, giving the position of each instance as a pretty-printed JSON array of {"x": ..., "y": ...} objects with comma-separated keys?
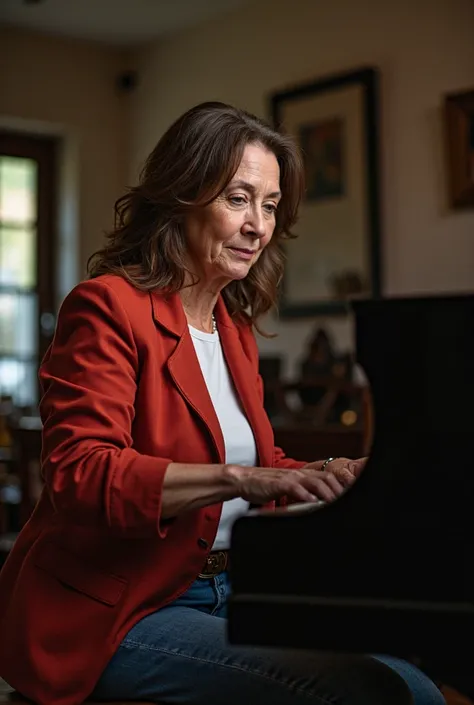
[{"x": 216, "y": 562}]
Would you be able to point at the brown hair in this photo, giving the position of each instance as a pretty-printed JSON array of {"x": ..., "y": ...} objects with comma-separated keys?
[{"x": 190, "y": 166}]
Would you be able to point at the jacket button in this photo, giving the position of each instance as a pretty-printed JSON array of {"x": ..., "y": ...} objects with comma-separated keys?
[{"x": 203, "y": 543}]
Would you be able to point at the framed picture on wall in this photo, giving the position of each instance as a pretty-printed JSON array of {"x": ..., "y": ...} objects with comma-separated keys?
[
  {"x": 336, "y": 256},
  {"x": 459, "y": 120}
]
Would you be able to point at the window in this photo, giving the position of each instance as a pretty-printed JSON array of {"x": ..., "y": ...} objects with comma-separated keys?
[{"x": 27, "y": 181}]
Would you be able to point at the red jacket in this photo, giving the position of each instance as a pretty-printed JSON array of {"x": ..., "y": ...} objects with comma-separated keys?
[{"x": 123, "y": 397}]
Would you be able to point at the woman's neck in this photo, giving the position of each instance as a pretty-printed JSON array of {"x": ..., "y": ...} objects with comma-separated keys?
[{"x": 198, "y": 307}]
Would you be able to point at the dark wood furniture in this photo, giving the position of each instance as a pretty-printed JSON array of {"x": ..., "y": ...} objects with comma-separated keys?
[{"x": 306, "y": 443}]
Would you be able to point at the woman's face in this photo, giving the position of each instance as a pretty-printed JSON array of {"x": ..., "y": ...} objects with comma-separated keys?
[{"x": 227, "y": 237}]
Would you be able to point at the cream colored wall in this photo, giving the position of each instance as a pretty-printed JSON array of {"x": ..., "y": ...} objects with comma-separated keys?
[
  {"x": 424, "y": 48},
  {"x": 68, "y": 88}
]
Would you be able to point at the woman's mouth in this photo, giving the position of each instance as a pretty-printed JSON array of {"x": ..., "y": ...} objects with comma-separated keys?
[{"x": 243, "y": 252}]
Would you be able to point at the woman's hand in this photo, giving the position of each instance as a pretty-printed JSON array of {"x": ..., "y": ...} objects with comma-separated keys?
[
  {"x": 344, "y": 469},
  {"x": 261, "y": 485},
  {"x": 192, "y": 486}
]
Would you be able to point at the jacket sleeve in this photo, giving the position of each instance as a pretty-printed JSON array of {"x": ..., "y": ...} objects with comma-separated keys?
[{"x": 89, "y": 380}]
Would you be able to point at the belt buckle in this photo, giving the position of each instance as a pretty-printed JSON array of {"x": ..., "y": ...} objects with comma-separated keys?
[{"x": 216, "y": 563}]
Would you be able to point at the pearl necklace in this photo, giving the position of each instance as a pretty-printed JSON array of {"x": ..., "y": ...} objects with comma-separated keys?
[{"x": 214, "y": 323}]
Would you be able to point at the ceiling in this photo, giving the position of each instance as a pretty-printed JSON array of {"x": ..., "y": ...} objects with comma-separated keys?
[{"x": 119, "y": 22}]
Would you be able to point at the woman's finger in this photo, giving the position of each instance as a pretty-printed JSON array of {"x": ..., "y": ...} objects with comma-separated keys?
[
  {"x": 298, "y": 492},
  {"x": 356, "y": 466},
  {"x": 322, "y": 489},
  {"x": 334, "y": 483},
  {"x": 346, "y": 477}
]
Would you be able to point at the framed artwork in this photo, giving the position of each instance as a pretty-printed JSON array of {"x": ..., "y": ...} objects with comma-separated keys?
[
  {"x": 337, "y": 253},
  {"x": 459, "y": 121}
]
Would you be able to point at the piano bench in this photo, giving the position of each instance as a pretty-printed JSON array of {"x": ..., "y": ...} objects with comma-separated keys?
[{"x": 452, "y": 697}]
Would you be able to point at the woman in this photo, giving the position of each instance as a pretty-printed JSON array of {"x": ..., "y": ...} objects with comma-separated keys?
[{"x": 155, "y": 439}]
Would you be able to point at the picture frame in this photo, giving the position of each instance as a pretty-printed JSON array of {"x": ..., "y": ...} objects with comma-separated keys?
[
  {"x": 459, "y": 130},
  {"x": 336, "y": 255}
]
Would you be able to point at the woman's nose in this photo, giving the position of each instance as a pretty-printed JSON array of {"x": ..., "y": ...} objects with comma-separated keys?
[{"x": 255, "y": 225}]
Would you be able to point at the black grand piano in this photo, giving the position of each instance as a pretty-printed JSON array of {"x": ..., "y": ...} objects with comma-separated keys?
[{"x": 389, "y": 567}]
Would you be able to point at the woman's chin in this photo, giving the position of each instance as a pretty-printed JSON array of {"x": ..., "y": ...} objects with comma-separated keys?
[
  {"x": 240, "y": 272},
  {"x": 236, "y": 271}
]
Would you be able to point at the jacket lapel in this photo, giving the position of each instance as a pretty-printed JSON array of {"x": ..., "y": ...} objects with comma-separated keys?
[
  {"x": 186, "y": 374},
  {"x": 184, "y": 367}
]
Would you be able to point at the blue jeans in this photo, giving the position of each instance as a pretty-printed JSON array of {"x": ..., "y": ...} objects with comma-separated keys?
[{"x": 180, "y": 654}]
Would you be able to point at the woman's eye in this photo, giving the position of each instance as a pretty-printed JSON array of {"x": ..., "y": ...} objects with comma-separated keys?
[
  {"x": 237, "y": 200},
  {"x": 270, "y": 207}
]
